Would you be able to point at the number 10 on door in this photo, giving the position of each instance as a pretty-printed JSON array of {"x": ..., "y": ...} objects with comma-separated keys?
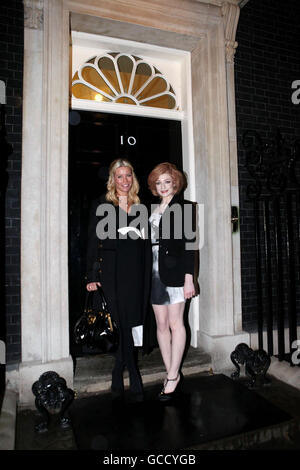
[{"x": 130, "y": 140}]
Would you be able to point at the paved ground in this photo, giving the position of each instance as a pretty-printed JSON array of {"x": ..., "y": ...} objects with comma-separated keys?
[
  {"x": 286, "y": 398},
  {"x": 279, "y": 394}
]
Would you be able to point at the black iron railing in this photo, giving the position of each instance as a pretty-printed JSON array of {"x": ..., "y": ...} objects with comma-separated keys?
[{"x": 275, "y": 196}]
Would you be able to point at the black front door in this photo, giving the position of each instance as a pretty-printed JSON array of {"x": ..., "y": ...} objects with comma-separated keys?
[{"x": 95, "y": 140}]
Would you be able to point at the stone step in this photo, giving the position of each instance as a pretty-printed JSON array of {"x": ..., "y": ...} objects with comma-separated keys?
[{"x": 93, "y": 373}]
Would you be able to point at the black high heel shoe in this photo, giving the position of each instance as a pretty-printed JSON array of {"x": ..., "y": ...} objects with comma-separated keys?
[{"x": 164, "y": 397}]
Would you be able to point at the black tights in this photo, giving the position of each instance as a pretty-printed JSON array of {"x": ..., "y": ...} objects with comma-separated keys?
[{"x": 126, "y": 356}]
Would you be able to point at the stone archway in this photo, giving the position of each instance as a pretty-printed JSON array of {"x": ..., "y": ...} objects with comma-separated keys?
[{"x": 208, "y": 29}]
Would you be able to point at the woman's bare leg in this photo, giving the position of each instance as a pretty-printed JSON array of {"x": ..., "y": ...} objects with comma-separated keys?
[
  {"x": 178, "y": 340},
  {"x": 163, "y": 333}
]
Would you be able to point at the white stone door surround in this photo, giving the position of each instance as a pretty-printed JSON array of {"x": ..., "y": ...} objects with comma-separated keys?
[{"x": 206, "y": 28}]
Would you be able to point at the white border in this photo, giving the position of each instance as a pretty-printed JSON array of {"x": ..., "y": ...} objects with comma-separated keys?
[
  {"x": 116, "y": 108},
  {"x": 86, "y": 45},
  {"x": 170, "y": 62}
]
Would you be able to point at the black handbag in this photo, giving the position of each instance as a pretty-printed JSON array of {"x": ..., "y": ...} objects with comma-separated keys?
[{"x": 95, "y": 329}]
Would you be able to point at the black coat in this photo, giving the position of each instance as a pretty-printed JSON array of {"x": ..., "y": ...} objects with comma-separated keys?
[
  {"x": 175, "y": 257},
  {"x": 122, "y": 266}
]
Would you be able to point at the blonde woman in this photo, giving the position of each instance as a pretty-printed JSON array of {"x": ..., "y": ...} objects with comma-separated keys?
[{"x": 120, "y": 264}]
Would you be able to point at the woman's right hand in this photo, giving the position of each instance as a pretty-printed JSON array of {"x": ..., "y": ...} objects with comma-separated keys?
[{"x": 93, "y": 286}]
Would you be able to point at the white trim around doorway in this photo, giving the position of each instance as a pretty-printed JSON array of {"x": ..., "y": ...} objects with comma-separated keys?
[{"x": 86, "y": 45}]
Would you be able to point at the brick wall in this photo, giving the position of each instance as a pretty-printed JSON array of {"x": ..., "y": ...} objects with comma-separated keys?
[
  {"x": 267, "y": 62},
  {"x": 11, "y": 72}
]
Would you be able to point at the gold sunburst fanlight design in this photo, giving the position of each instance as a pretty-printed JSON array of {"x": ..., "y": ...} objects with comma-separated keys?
[{"x": 123, "y": 78}]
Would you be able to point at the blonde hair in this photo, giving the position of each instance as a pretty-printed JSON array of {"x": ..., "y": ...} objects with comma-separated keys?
[{"x": 111, "y": 194}]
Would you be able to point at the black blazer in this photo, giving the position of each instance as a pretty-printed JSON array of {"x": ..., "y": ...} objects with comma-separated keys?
[
  {"x": 96, "y": 247},
  {"x": 175, "y": 256}
]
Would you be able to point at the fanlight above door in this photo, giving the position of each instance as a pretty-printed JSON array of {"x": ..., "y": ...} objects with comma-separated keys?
[{"x": 123, "y": 78}]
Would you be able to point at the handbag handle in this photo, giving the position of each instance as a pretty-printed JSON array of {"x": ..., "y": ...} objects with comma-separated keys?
[
  {"x": 103, "y": 299},
  {"x": 88, "y": 301},
  {"x": 89, "y": 297}
]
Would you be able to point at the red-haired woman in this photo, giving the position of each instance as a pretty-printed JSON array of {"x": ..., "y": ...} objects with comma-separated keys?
[{"x": 172, "y": 269}]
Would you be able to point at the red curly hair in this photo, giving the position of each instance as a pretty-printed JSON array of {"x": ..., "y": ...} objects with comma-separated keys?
[{"x": 179, "y": 179}]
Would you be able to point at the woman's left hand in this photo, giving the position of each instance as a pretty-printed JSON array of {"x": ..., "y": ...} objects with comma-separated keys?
[{"x": 188, "y": 288}]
